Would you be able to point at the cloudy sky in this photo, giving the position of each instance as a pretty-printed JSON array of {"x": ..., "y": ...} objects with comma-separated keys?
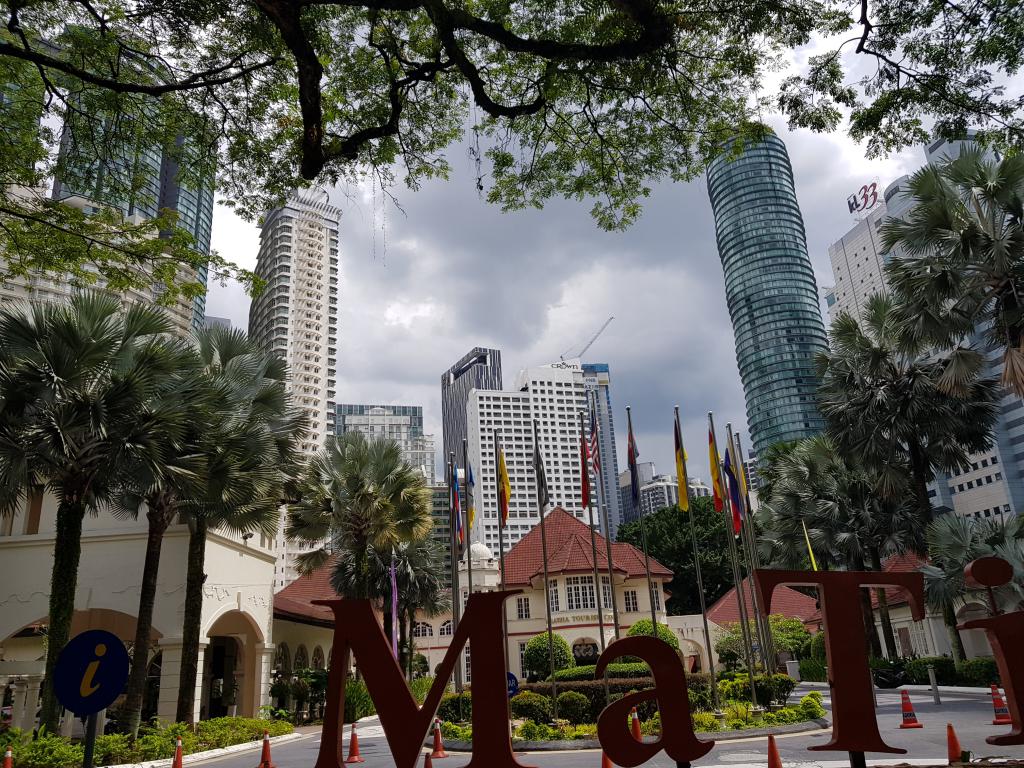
[{"x": 420, "y": 288}]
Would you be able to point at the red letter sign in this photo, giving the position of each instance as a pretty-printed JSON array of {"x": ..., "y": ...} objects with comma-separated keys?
[{"x": 854, "y": 727}]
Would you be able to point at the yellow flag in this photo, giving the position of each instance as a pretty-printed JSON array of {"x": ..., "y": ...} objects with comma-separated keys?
[
  {"x": 504, "y": 487},
  {"x": 684, "y": 494}
]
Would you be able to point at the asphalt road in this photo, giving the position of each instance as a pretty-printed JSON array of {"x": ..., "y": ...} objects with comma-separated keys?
[{"x": 970, "y": 713}]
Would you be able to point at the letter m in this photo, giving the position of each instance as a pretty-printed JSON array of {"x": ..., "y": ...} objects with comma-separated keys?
[{"x": 405, "y": 723}]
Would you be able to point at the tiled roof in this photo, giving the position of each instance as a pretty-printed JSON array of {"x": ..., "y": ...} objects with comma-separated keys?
[
  {"x": 785, "y": 600},
  {"x": 295, "y": 602},
  {"x": 570, "y": 551},
  {"x": 908, "y": 562}
]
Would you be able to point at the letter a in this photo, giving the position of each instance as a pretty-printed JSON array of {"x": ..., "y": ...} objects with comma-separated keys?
[{"x": 677, "y": 736}]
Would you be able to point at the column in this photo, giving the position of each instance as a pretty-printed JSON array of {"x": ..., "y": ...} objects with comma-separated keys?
[
  {"x": 32, "y": 685},
  {"x": 18, "y": 707},
  {"x": 265, "y": 656},
  {"x": 170, "y": 669}
]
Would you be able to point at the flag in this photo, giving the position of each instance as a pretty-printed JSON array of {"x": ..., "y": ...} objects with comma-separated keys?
[
  {"x": 716, "y": 477},
  {"x": 734, "y": 490},
  {"x": 460, "y": 534},
  {"x": 538, "y": 470},
  {"x": 634, "y": 471},
  {"x": 584, "y": 470},
  {"x": 504, "y": 486},
  {"x": 470, "y": 506},
  {"x": 684, "y": 494},
  {"x": 394, "y": 608},
  {"x": 595, "y": 431}
]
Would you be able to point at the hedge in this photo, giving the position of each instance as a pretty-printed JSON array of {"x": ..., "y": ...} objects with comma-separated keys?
[
  {"x": 574, "y": 707},
  {"x": 812, "y": 671},
  {"x": 771, "y": 689},
  {"x": 699, "y": 689},
  {"x": 981, "y": 672},
  {"x": 586, "y": 672},
  {"x": 529, "y": 705},
  {"x": 945, "y": 670},
  {"x": 449, "y": 708}
]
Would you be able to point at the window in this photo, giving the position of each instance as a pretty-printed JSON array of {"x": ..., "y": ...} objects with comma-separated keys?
[
  {"x": 631, "y": 602},
  {"x": 422, "y": 629},
  {"x": 656, "y": 597},
  {"x": 522, "y": 660},
  {"x": 999, "y": 475},
  {"x": 445, "y": 629},
  {"x": 522, "y": 607},
  {"x": 469, "y": 665},
  {"x": 606, "y": 592},
  {"x": 553, "y": 595},
  {"x": 995, "y": 460},
  {"x": 579, "y": 593}
]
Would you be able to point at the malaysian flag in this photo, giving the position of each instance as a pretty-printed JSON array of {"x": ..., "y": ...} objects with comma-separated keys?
[{"x": 595, "y": 430}]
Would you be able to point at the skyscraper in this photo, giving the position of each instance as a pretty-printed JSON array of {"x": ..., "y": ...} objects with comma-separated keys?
[
  {"x": 552, "y": 395},
  {"x": 401, "y": 423},
  {"x": 480, "y": 368},
  {"x": 296, "y": 315},
  {"x": 770, "y": 290},
  {"x": 597, "y": 380}
]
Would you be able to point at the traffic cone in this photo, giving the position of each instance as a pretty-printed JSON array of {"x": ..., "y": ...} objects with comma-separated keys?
[
  {"x": 438, "y": 752},
  {"x": 634, "y": 725},
  {"x": 606, "y": 761},
  {"x": 353, "y": 748},
  {"x": 9, "y": 758},
  {"x": 1002, "y": 714},
  {"x": 265, "y": 761},
  {"x": 774, "y": 761},
  {"x": 909, "y": 718},
  {"x": 428, "y": 761},
  {"x": 954, "y": 751}
]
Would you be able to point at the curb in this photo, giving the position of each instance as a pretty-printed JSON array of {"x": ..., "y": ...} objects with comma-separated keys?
[
  {"x": 951, "y": 690},
  {"x": 196, "y": 757},
  {"x": 584, "y": 744}
]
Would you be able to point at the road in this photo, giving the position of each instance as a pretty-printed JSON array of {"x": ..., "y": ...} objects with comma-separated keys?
[{"x": 970, "y": 713}]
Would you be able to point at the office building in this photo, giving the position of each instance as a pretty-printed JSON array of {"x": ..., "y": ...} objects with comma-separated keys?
[
  {"x": 858, "y": 264},
  {"x": 597, "y": 380},
  {"x": 442, "y": 531},
  {"x": 552, "y": 395},
  {"x": 662, "y": 491},
  {"x": 401, "y": 423},
  {"x": 645, "y": 472},
  {"x": 209, "y": 321},
  {"x": 296, "y": 315},
  {"x": 770, "y": 290},
  {"x": 480, "y": 368}
]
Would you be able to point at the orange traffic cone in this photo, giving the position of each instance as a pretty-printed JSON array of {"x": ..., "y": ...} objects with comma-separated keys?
[
  {"x": 774, "y": 761},
  {"x": 953, "y": 749},
  {"x": 428, "y": 761},
  {"x": 634, "y": 725},
  {"x": 438, "y": 752},
  {"x": 9, "y": 758},
  {"x": 265, "y": 761},
  {"x": 176, "y": 763},
  {"x": 353, "y": 748},
  {"x": 606, "y": 761},
  {"x": 1002, "y": 714},
  {"x": 909, "y": 717}
]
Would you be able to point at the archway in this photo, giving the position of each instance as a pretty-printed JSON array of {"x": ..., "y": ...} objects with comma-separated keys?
[
  {"x": 231, "y": 682},
  {"x": 692, "y": 654},
  {"x": 585, "y": 651}
]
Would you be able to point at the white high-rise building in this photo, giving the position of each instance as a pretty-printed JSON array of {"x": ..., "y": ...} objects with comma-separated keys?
[
  {"x": 296, "y": 316},
  {"x": 858, "y": 265},
  {"x": 401, "y": 423},
  {"x": 554, "y": 396}
]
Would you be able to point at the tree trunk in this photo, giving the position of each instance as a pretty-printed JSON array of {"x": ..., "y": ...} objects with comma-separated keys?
[
  {"x": 193, "y": 617},
  {"x": 883, "y": 609},
  {"x": 919, "y": 471},
  {"x": 404, "y": 661},
  {"x": 870, "y": 632},
  {"x": 158, "y": 519},
  {"x": 67, "y": 551},
  {"x": 955, "y": 642}
]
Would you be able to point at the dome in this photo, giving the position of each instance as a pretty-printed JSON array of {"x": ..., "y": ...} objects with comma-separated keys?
[{"x": 479, "y": 551}]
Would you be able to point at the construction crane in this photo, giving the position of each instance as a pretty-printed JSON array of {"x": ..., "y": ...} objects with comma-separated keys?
[{"x": 590, "y": 343}]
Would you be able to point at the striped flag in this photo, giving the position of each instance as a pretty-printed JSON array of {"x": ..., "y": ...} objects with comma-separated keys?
[
  {"x": 595, "y": 432},
  {"x": 460, "y": 534},
  {"x": 470, "y": 493},
  {"x": 716, "y": 477},
  {"x": 584, "y": 470},
  {"x": 734, "y": 491},
  {"x": 681, "y": 479}
]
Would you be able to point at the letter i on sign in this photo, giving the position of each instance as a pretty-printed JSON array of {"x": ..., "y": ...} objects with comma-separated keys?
[{"x": 88, "y": 687}]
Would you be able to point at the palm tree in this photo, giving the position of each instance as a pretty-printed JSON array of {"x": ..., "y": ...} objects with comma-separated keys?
[
  {"x": 902, "y": 413},
  {"x": 76, "y": 383},
  {"x": 251, "y": 453},
  {"x": 962, "y": 266}
]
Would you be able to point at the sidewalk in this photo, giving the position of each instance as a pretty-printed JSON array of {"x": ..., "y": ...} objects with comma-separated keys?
[{"x": 950, "y": 689}]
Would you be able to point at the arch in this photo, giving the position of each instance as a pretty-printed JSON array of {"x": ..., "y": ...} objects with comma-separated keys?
[
  {"x": 232, "y": 665},
  {"x": 692, "y": 654},
  {"x": 422, "y": 629},
  {"x": 585, "y": 650},
  {"x": 445, "y": 630},
  {"x": 231, "y": 620},
  {"x": 301, "y": 658},
  {"x": 318, "y": 658},
  {"x": 283, "y": 658}
]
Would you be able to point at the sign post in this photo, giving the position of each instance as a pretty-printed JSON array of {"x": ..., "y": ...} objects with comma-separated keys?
[{"x": 90, "y": 674}]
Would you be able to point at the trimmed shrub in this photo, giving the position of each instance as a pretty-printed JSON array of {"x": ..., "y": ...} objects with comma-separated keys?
[
  {"x": 704, "y": 721},
  {"x": 980, "y": 673},
  {"x": 47, "y": 752},
  {"x": 456, "y": 732},
  {"x": 699, "y": 690},
  {"x": 643, "y": 627},
  {"x": 813, "y": 671},
  {"x": 818, "y": 647},
  {"x": 574, "y": 707},
  {"x": 810, "y": 706},
  {"x": 528, "y": 705},
  {"x": 586, "y": 672},
  {"x": 945, "y": 670},
  {"x": 531, "y": 731},
  {"x": 771, "y": 689},
  {"x": 537, "y": 660},
  {"x": 449, "y": 709},
  {"x": 358, "y": 703}
]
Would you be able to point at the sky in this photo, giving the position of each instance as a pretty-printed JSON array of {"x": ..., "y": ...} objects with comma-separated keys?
[{"x": 420, "y": 288}]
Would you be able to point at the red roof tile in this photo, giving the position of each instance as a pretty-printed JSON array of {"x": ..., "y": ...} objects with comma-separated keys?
[
  {"x": 569, "y": 550},
  {"x": 295, "y": 602},
  {"x": 908, "y": 562},
  {"x": 785, "y": 600}
]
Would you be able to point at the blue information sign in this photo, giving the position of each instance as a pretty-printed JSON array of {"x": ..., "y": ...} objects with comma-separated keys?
[
  {"x": 91, "y": 672},
  {"x": 513, "y": 685}
]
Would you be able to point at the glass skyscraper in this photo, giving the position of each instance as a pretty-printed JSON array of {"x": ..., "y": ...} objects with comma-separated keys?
[
  {"x": 597, "y": 380},
  {"x": 770, "y": 290},
  {"x": 480, "y": 368}
]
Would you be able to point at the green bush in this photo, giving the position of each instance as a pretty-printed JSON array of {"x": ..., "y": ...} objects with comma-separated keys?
[
  {"x": 812, "y": 671},
  {"x": 771, "y": 689},
  {"x": 698, "y": 687},
  {"x": 810, "y": 706},
  {"x": 945, "y": 670},
  {"x": 113, "y": 749},
  {"x": 818, "y": 647},
  {"x": 980, "y": 673},
  {"x": 47, "y": 752},
  {"x": 533, "y": 731},
  {"x": 420, "y": 687},
  {"x": 574, "y": 707},
  {"x": 536, "y": 658},
  {"x": 224, "y": 731},
  {"x": 449, "y": 708},
  {"x": 358, "y": 703},
  {"x": 704, "y": 721},
  {"x": 528, "y": 705},
  {"x": 586, "y": 672},
  {"x": 643, "y": 627},
  {"x": 456, "y": 732}
]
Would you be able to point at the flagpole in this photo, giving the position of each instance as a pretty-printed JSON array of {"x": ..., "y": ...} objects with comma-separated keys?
[
  {"x": 598, "y": 592},
  {"x": 501, "y": 538},
  {"x": 456, "y": 592},
  {"x": 603, "y": 504},
  {"x": 737, "y": 573},
  {"x": 465, "y": 512},
  {"x": 541, "y": 504},
  {"x": 643, "y": 527},
  {"x": 696, "y": 565}
]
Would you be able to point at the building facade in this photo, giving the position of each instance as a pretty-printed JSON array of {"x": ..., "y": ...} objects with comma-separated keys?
[
  {"x": 630, "y": 511},
  {"x": 553, "y": 396},
  {"x": 401, "y": 423},
  {"x": 770, "y": 289},
  {"x": 597, "y": 380},
  {"x": 480, "y": 368}
]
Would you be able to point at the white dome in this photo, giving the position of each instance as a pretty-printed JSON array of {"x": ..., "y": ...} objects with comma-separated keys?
[{"x": 479, "y": 551}]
